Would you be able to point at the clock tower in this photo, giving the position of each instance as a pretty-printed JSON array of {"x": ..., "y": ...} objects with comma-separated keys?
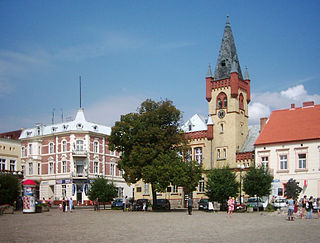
[{"x": 228, "y": 96}]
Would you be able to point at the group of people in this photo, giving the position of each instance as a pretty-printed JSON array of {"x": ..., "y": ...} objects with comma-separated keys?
[
  {"x": 307, "y": 205},
  {"x": 66, "y": 204}
]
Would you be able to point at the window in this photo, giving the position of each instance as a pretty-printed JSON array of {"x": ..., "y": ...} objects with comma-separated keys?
[
  {"x": 146, "y": 189},
  {"x": 121, "y": 173},
  {"x": 188, "y": 155},
  {"x": 265, "y": 162},
  {"x": 112, "y": 166},
  {"x": 79, "y": 167},
  {"x": 30, "y": 149},
  {"x": 201, "y": 185},
  {"x": 2, "y": 164},
  {"x": 30, "y": 168},
  {"x": 222, "y": 101},
  {"x": 79, "y": 145},
  {"x": 39, "y": 168},
  {"x": 190, "y": 127},
  {"x": 23, "y": 152},
  {"x": 218, "y": 154},
  {"x": 96, "y": 167},
  {"x": 224, "y": 153},
  {"x": 12, "y": 165},
  {"x": 51, "y": 148},
  {"x": 112, "y": 153},
  {"x": 221, "y": 125},
  {"x": 63, "y": 191},
  {"x": 302, "y": 161},
  {"x": 138, "y": 189},
  {"x": 64, "y": 166},
  {"x": 38, "y": 131},
  {"x": 51, "y": 168},
  {"x": 198, "y": 155},
  {"x": 283, "y": 162},
  {"x": 120, "y": 192},
  {"x": 64, "y": 146},
  {"x": 225, "y": 102},
  {"x": 96, "y": 147},
  {"x": 169, "y": 189},
  {"x": 174, "y": 189}
]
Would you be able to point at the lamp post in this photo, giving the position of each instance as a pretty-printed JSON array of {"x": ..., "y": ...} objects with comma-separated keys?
[{"x": 241, "y": 167}]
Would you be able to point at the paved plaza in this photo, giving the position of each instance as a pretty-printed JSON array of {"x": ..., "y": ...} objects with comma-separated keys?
[{"x": 86, "y": 225}]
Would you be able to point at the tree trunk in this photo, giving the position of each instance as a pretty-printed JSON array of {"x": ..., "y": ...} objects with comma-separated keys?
[
  {"x": 104, "y": 205},
  {"x": 154, "y": 198}
]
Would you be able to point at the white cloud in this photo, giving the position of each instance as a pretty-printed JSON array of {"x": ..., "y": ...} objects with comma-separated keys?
[
  {"x": 109, "y": 110},
  {"x": 263, "y": 103}
]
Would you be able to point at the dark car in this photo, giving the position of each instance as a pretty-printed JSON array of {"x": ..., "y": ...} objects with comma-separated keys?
[
  {"x": 254, "y": 203},
  {"x": 203, "y": 204},
  {"x": 117, "y": 204},
  {"x": 139, "y": 205},
  {"x": 163, "y": 204}
]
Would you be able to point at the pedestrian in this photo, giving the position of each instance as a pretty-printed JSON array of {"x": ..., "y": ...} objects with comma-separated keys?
[
  {"x": 190, "y": 204},
  {"x": 96, "y": 204},
  {"x": 67, "y": 203},
  {"x": 290, "y": 203},
  {"x": 70, "y": 204},
  {"x": 303, "y": 205},
  {"x": 318, "y": 207},
  {"x": 124, "y": 203},
  {"x": 230, "y": 206},
  {"x": 64, "y": 205},
  {"x": 144, "y": 207},
  {"x": 310, "y": 207},
  {"x": 296, "y": 208}
]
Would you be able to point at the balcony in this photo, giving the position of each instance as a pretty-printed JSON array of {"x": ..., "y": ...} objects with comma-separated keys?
[
  {"x": 82, "y": 174},
  {"x": 79, "y": 153}
]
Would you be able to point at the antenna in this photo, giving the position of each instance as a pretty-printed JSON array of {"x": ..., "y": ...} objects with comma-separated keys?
[
  {"x": 53, "y": 115},
  {"x": 80, "y": 90}
]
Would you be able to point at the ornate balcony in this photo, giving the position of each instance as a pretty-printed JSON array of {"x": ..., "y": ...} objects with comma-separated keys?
[{"x": 79, "y": 153}]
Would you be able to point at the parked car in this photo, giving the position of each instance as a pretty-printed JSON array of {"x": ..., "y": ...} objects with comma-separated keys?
[
  {"x": 139, "y": 204},
  {"x": 116, "y": 204},
  {"x": 280, "y": 203},
  {"x": 203, "y": 204},
  {"x": 253, "y": 202},
  {"x": 163, "y": 204}
]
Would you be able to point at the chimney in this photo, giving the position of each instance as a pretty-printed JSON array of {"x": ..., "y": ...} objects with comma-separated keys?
[
  {"x": 263, "y": 122},
  {"x": 308, "y": 103},
  {"x": 293, "y": 106}
]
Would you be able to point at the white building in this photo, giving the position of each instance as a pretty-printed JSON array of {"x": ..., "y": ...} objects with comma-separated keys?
[
  {"x": 289, "y": 145},
  {"x": 64, "y": 158}
]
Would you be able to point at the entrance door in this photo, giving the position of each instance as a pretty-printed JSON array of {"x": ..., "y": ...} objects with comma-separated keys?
[{"x": 79, "y": 197}]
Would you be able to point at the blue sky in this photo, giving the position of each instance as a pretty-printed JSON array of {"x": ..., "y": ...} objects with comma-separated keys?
[{"x": 127, "y": 51}]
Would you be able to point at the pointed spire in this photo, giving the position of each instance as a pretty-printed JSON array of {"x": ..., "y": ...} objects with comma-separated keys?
[
  {"x": 209, "y": 73},
  {"x": 246, "y": 74},
  {"x": 227, "y": 55}
]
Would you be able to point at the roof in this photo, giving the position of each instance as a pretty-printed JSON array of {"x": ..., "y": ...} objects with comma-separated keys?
[
  {"x": 290, "y": 125},
  {"x": 195, "y": 123},
  {"x": 78, "y": 124},
  {"x": 11, "y": 135},
  {"x": 248, "y": 145},
  {"x": 228, "y": 58}
]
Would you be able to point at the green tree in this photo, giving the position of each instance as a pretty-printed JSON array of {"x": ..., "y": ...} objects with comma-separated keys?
[
  {"x": 150, "y": 141},
  {"x": 221, "y": 183},
  {"x": 101, "y": 189},
  {"x": 9, "y": 189},
  {"x": 257, "y": 181},
  {"x": 292, "y": 189}
]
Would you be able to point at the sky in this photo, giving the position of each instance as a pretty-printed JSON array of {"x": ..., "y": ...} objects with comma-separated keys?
[{"x": 129, "y": 51}]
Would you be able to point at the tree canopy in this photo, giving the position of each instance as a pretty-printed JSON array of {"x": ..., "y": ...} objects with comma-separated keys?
[
  {"x": 257, "y": 181},
  {"x": 9, "y": 189},
  {"x": 221, "y": 184},
  {"x": 292, "y": 189},
  {"x": 101, "y": 189},
  {"x": 150, "y": 142}
]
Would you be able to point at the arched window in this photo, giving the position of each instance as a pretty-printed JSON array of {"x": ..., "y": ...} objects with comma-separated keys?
[
  {"x": 222, "y": 101},
  {"x": 241, "y": 106}
]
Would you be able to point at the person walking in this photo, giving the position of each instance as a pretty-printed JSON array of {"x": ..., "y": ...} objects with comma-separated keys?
[
  {"x": 96, "y": 204},
  {"x": 318, "y": 207},
  {"x": 190, "y": 204},
  {"x": 303, "y": 205},
  {"x": 290, "y": 203},
  {"x": 230, "y": 206},
  {"x": 70, "y": 204},
  {"x": 310, "y": 207},
  {"x": 64, "y": 205},
  {"x": 124, "y": 203}
]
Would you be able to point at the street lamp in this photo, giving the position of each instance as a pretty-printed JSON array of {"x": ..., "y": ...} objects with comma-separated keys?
[{"x": 241, "y": 167}]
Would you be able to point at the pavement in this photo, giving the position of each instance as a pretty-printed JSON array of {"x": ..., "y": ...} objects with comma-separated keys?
[{"x": 86, "y": 225}]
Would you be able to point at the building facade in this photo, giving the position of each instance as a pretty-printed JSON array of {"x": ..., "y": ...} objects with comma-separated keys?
[
  {"x": 289, "y": 146},
  {"x": 65, "y": 158}
]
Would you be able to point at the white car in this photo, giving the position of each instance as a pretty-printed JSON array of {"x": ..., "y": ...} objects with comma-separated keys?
[{"x": 280, "y": 203}]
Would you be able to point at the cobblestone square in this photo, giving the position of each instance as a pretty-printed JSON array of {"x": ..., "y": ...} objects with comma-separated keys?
[{"x": 86, "y": 225}]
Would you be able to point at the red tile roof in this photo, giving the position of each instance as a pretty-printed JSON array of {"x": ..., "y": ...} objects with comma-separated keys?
[{"x": 296, "y": 124}]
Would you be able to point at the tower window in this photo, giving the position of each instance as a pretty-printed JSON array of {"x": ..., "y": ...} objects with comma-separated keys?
[
  {"x": 223, "y": 63},
  {"x": 241, "y": 106},
  {"x": 222, "y": 101}
]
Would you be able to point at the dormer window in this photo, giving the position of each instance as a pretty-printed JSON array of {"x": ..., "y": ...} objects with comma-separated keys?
[
  {"x": 65, "y": 127},
  {"x": 53, "y": 129},
  {"x": 79, "y": 126},
  {"x": 29, "y": 133},
  {"x": 223, "y": 63},
  {"x": 190, "y": 127},
  {"x": 95, "y": 127}
]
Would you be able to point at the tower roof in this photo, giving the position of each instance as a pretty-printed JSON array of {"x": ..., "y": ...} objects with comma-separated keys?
[{"x": 228, "y": 58}]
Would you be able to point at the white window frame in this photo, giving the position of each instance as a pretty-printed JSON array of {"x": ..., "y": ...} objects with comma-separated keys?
[
  {"x": 51, "y": 148},
  {"x": 265, "y": 162},
  {"x": 146, "y": 190},
  {"x": 51, "y": 168},
  {"x": 39, "y": 168},
  {"x": 201, "y": 185},
  {"x": 96, "y": 147},
  {"x": 30, "y": 149},
  {"x": 302, "y": 162},
  {"x": 64, "y": 146},
  {"x": 283, "y": 161},
  {"x": 64, "y": 166},
  {"x": 13, "y": 164},
  {"x": 79, "y": 145},
  {"x": 2, "y": 164},
  {"x": 112, "y": 169},
  {"x": 198, "y": 154},
  {"x": 30, "y": 168},
  {"x": 23, "y": 151},
  {"x": 95, "y": 167}
]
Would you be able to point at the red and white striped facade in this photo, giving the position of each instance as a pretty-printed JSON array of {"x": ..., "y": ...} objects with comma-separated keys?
[{"x": 64, "y": 158}]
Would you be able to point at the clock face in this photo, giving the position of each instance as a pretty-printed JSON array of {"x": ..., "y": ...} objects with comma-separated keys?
[{"x": 221, "y": 114}]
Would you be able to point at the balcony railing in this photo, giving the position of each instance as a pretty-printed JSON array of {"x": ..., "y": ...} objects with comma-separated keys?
[{"x": 79, "y": 153}]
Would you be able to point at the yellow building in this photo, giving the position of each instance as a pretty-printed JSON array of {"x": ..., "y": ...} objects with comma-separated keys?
[{"x": 223, "y": 138}]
